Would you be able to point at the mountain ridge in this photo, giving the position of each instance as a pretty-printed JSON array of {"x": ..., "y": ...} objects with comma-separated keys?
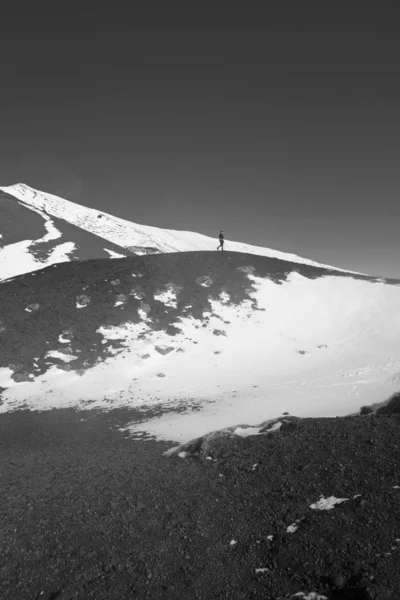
[
  {"x": 31, "y": 239},
  {"x": 130, "y": 236}
]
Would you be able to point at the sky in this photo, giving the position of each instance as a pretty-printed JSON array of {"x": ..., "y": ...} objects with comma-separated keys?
[{"x": 280, "y": 126}]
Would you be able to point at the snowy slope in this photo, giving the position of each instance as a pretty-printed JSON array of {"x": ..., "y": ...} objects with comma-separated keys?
[
  {"x": 214, "y": 340},
  {"x": 31, "y": 239},
  {"x": 141, "y": 239}
]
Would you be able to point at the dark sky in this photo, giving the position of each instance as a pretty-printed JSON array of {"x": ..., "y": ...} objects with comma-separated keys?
[{"x": 281, "y": 127}]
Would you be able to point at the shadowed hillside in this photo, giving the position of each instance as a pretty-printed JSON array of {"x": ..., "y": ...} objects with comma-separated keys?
[
  {"x": 195, "y": 327},
  {"x": 135, "y": 238},
  {"x": 44, "y": 303},
  {"x": 31, "y": 240}
]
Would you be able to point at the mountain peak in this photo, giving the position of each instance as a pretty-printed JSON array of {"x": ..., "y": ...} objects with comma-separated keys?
[{"x": 125, "y": 237}]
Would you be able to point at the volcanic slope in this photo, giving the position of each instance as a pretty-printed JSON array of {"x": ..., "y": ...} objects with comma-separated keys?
[
  {"x": 211, "y": 339},
  {"x": 139, "y": 239},
  {"x": 31, "y": 239}
]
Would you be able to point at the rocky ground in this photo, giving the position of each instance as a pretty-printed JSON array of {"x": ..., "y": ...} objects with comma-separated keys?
[{"x": 88, "y": 512}]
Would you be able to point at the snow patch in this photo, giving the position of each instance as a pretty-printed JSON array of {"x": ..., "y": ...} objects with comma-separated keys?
[
  {"x": 274, "y": 427},
  {"x": 82, "y": 301},
  {"x": 126, "y": 333},
  {"x": 121, "y": 300},
  {"x": 52, "y": 232},
  {"x": 6, "y": 377},
  {"x": 167, "y": 297},
  {"x": 61, "y": 355},
  {"x": 248, "y": 431},
  {"x": 224, "y": 297},
  {"x": 327, "y": 503},
  {"x": 114, "y": 254},
  {"x": 263, "y": 570},
  {"x": 32, "y": 307},
  {"x": 204, "y": 281},
  {"x": 17, "y": 259},
  {"x": 310, "y": 596}
]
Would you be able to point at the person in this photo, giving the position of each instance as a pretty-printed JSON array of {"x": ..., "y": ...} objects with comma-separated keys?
[{"x": 221, "y": 240}]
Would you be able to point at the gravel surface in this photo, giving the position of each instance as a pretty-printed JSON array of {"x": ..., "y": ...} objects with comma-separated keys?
[{"x": 88, "y": 512}]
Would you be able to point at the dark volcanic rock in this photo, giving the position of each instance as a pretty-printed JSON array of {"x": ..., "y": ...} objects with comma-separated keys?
[{"x": 88, "y": 510}]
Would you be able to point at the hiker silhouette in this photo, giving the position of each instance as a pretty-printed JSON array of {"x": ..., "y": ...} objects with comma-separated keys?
[{"x": 221, "y": 240}]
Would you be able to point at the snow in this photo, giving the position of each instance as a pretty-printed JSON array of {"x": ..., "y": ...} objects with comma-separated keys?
[
  {"x": 258, "y": 373},
  {"x": 114, "y": 254},
  {"x": 128, "y": 234},
  {"x": 17, "y": 258},
  {"x": 167, "y": 297},
  {"x": 32, "y": 307},
  {"x": 248, "y": 431},
  {"x": 61, "y": 355},
  {"x": 327, "y": 503},
  {"x": 274, "y": 427},
  {"x": 310, "y": 596},
  {"x": 82, "y": 301},
  {"x": 121, "y": 300},
  {"x": 292, "y": 528},
  {"x": 204, "y": 281},
  {"x": 263, "y": 570},
  {"x": 5, "y": 377},
  {"x": 52, "y": 231}
]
